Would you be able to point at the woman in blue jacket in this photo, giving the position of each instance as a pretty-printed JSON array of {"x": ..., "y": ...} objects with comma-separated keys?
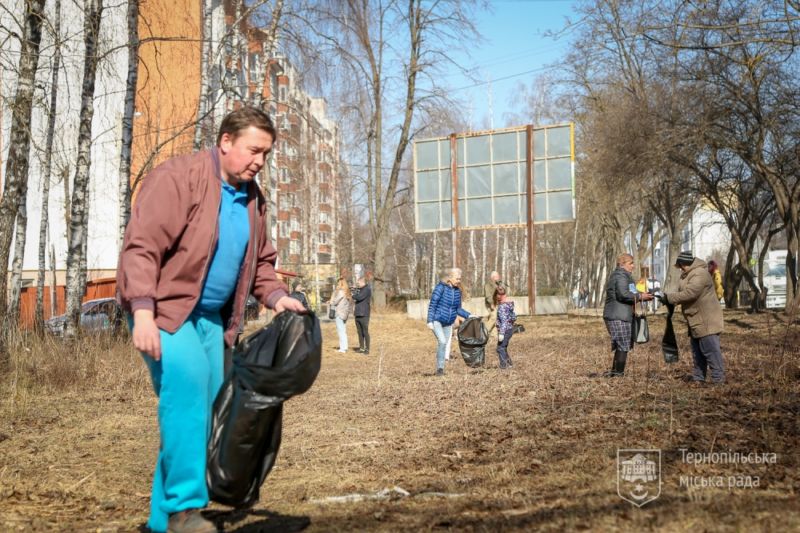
[{"x": 444, "y": 306}]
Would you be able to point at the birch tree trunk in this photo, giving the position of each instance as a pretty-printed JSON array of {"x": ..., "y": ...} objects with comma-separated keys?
[
  {"x": 434, "y": 265},
  {"x": 16, "y": 264},
  {"x": 79, "y": 212},
  {"x": 498, "y": 251},
  {"x": 483, "y": 275},
  {"x": 16, "y": 174},
  {"x": 205, "y": 67},
  {"x": 501, "y": 252},
  {"x": 53, "y": 291},
  {"x": 127, "y": 119},
  {"x": 38, "y": 315}
]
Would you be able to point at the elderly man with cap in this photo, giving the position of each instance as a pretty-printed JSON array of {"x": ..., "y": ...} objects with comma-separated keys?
[{"x": 702, "y": 311}]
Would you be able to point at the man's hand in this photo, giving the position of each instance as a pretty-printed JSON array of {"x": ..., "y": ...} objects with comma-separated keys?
[
  {"x": 146, "y": 337},
  {"x": 645, "y": 296},
  {"x": 661, "y": 296},
  {"x": 286, "y": 303}
]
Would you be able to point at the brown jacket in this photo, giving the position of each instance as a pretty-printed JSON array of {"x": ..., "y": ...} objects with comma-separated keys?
[
  {"x": 698, "y": 301},
  {"x": 170, "y": 239}
]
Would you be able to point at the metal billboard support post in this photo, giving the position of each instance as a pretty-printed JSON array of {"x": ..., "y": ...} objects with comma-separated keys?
[
  {"x": 531, "y": 233},
  {"x": 454, "y": 199}
]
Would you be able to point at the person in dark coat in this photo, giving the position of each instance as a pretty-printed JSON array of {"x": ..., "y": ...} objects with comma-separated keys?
[
  {"x": 621, "y": 295},
  {"x": 299, "y": 294},
  {"x": 362, "y": 297}
]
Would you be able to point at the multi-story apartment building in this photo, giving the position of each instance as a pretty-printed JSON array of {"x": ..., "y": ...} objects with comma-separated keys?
[{"x": 306, "y": 164}]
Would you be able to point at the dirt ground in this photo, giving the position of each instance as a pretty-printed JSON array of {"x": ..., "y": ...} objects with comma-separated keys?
[{"x": 380, "y": 444}]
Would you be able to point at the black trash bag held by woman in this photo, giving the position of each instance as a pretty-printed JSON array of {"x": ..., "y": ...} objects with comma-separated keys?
[
  {"x": 472, "y": 339},
  {"x": 270, "y": 366}
]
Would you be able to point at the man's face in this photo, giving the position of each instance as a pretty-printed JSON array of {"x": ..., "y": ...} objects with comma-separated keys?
[
  {"x": 495, "y": 277},
  {"x": 361, "y": 283},
  {"x": 242, "y": 158}
]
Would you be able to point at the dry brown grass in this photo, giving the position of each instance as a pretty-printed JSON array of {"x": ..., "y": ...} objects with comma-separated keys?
[{"x": 477, "y": 450}]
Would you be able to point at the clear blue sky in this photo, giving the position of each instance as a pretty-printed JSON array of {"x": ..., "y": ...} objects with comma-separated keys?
[{"x": 513, "y": 45}]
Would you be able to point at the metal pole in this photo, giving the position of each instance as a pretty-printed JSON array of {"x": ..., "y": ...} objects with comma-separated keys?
[
  {"x": 531, "y": 235},
  {"x": 454, "y": 199}
]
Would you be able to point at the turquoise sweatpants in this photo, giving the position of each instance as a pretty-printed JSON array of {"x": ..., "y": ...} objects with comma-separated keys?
[{"x": 186, "y": 381}]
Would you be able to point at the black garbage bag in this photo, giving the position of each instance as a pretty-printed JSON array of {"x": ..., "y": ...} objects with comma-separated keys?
[
  {"x": 270, "y": 366},
  {"x": 669, "y": 344},
  {"x": 472, "y": 339}
]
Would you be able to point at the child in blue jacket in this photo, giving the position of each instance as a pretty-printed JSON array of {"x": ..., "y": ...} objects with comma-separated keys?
[{"x": 505, "y": 325}]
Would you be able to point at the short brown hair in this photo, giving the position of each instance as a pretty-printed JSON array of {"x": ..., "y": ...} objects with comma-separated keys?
[{"x": 241, "y": 119}]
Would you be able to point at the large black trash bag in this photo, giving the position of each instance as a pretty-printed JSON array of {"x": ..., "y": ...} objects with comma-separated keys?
[
  {"x": 669, "y": 344},
  {"x": 472, "y": 339},
  {"x": 269, "y": 367}
]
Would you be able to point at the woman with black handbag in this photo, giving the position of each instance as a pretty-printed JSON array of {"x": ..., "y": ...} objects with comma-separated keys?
[{"x": 618, "y": 315}]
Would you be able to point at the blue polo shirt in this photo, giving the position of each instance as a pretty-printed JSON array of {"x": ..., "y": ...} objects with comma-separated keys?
[{"x": 226, "y": 262}]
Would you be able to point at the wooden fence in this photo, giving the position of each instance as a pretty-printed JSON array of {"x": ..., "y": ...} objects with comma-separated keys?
[{"x": 98, "y": 288}]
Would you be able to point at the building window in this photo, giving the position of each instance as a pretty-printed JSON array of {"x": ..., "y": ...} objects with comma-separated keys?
[
  {"x": 282, "y": 94},
  {"x": 324, "y": 218},
  {"x": 285, "y": 175},
  {"x": 294, "y": 247},
  {"x": 294, "y": 224},
  {"x": 323, "y": 238}
]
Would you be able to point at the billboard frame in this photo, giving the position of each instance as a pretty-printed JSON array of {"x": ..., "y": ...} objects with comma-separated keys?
[{"x": 530, "y": 208}]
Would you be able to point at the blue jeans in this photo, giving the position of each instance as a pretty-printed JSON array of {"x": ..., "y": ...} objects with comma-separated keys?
[
  {"x": 342, "y": 331},
  {"x": 502, "y": 350},
  {"x": 706, "y": 353},
  {"x": 442, "y": 334},
  {"x": 186, "y": 381}
]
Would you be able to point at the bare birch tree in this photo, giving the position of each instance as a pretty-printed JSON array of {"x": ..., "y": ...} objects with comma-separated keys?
[
  {"x": 16, "y": 173},
  {"x": 127, "y": 118},
  {"x": 79, "y": 211},
  {"x": 38, "y": 316}
]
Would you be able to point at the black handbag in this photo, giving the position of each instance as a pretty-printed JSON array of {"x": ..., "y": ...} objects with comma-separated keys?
[{"x": 331, "y": 312}]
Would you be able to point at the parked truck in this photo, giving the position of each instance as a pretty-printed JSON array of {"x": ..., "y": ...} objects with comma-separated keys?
[{"x": 775, "y": 279}]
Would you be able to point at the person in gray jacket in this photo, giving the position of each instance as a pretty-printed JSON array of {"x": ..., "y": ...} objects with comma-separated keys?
[{"x": 621, "y": 295}]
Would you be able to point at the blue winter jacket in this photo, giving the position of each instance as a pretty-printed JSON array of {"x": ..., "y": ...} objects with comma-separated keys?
[{"x": 445, "y": 305}]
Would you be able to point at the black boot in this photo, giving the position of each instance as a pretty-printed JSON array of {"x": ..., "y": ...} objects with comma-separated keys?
[{"x": 618, "y": 366}]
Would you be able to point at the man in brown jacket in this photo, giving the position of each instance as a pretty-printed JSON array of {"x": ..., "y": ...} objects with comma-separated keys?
[
  {"x": 195, "y": 248},
  {"x": 702, "y": 311}
]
